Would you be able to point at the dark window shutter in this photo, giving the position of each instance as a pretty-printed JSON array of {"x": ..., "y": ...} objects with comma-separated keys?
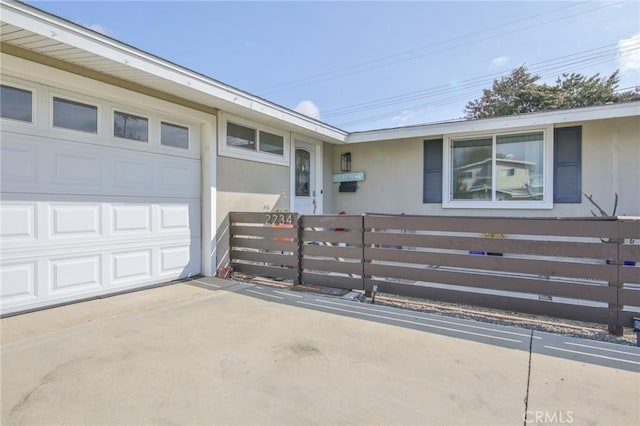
[
  {"x": 432, "y": 185},
  {"x": 567, "y": 167}
]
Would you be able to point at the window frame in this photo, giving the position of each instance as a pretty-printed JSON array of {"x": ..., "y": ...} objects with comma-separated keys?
[
  {"x": 12, "y": 84},
  {"x": 447, "y": 175},
  {"x": 116, "y": 109},
  {"x": 175, "y": 123},
  {"x": 259, "y": 142},
  {"x": 79, "y": 100},
  {"x": 250, "y": 154},
  {"x": 255, "y": 136}
]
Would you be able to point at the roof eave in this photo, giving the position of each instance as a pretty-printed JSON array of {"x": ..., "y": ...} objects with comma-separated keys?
[
  {"x": 221, "y": 96},
  {"x": 627, "y": 109}
]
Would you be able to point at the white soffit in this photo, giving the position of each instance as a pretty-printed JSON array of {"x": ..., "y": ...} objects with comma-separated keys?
[
  {"x": 628, "y": 109},
  {"x": 34, "y": 30}
]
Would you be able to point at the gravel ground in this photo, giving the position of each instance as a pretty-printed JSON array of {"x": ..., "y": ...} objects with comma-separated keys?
[{"x": 585, "y": 330}]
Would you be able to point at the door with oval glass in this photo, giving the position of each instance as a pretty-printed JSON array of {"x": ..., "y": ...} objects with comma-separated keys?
[{"x": 305, "y": 179}]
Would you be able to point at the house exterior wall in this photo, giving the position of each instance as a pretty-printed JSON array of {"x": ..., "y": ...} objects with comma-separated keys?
[
  {"x": 394, "y": 175},
  {"x": 328, "y": 187},
  {"x": 247, "y": 186},
  {"x": 611, "y": 163},
  {"x": 251, "y": 186}
]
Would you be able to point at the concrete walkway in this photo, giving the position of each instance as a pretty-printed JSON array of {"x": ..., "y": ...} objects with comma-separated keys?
[{"x": 216, "y": 352}]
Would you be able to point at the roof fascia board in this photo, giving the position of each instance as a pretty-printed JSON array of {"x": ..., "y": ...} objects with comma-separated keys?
[
  {"x": 628, "y": 109},
  {"x": 50, "y": 61},
  {"x": 38, "y": 22}
]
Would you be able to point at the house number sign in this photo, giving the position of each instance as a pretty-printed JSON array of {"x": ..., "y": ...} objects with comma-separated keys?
[
  {"x": 348, "y": 177},
  {"x": 278, "y": 219}
]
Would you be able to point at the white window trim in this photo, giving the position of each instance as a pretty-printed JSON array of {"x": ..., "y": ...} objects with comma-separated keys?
[
  {"x": 17, "y": 84},
  {"x": 155, "y": 110},
  {"x": 175, "y": 123},
  {"x": 447, "y": 165},
  {"x": 81, "y": 100},
  {"x": 245, "y": 154}
]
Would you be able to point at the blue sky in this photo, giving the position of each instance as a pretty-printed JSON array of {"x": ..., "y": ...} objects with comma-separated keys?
[{"x": 366, "y": 65}]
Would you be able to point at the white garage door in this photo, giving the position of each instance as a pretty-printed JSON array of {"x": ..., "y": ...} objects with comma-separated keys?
[{"x": 87, "y": 213}]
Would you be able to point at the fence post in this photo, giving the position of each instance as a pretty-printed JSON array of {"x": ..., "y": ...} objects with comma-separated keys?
[
  {"x": 616, "y": 328},
  {"x": 362, "y": 254},
  {"x": 367, "y": 293},
  {"x": 299, "y": 226}
]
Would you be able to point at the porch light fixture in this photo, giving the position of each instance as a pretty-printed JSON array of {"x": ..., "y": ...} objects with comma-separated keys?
[{"x": 345, "y": 162}]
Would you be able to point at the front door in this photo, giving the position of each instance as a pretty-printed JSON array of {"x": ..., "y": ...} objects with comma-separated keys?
[{"x": 305, "y": 179}]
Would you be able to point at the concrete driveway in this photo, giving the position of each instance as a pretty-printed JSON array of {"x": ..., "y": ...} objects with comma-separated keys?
[{"x": 216, "y": 352}]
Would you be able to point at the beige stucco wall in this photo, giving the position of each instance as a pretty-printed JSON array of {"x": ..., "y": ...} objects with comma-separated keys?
[
  {"x": 611, "y": 163},
  {"x": 251, "y": 186},
  {"x": 247, "y": 186},
  {"x": 393, "y": 174},
  {"x": 393, "y": 177},
  {"x": 329, "y": 190}
]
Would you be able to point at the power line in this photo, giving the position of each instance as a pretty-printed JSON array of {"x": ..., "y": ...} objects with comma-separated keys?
[
  {"x": 548, "y": 66},
  {"x": 546, "y": 70},
  {"x": 341, "y": 71},
  {"x": 458, "y": 96},
  {"x": 306, "y": 80}
]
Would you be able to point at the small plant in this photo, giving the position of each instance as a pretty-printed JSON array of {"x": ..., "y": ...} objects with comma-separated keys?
[
  {"x": 603, "y": 213},
  {"x": 600, "y": 209}
]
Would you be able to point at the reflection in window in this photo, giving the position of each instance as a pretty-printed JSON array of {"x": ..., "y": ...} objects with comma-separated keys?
[
  {"x": 75, "y": 115},
  {"x": 519, "y": 165},
  {"x": 241, "y": 137},
  {"x": 15, "y": 103},
  {"x": 472, "y": 166},
  {"x": 174, "y": 135},
  {"x": 518, "y": 173},
  {"x": 303, "y": 172},
  {"x": 273, "y": 144},
  {"x": 130, "y": 126}
]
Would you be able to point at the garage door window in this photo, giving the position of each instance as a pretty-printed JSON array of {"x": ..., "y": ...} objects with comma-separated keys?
[
  {"x": 15, "y": 104},
  {"x": 75, "y": 115},
  {"x": 174, "y": 135},
  {"x": 129, "y": 126}
]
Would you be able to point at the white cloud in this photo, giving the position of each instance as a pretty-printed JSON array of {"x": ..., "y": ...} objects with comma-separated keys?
[
  {"x": 629, "y": 54},
  {"x": 308, "y": 108},
  {"x": 96, "y": 27},
  {"x": 99, "y": 28},
  {"x": 498, "y": 63},
  {"x": 403, "y": 116}
]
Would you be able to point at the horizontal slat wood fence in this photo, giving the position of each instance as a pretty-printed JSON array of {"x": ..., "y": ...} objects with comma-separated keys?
[
  {"x": 579, "y": 268},
  {"x": 265, "y": 244},
  {"x": 331, "y": 251}
]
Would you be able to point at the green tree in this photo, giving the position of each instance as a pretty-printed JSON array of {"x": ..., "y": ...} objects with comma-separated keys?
[{"x": 518, "y": 93}]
